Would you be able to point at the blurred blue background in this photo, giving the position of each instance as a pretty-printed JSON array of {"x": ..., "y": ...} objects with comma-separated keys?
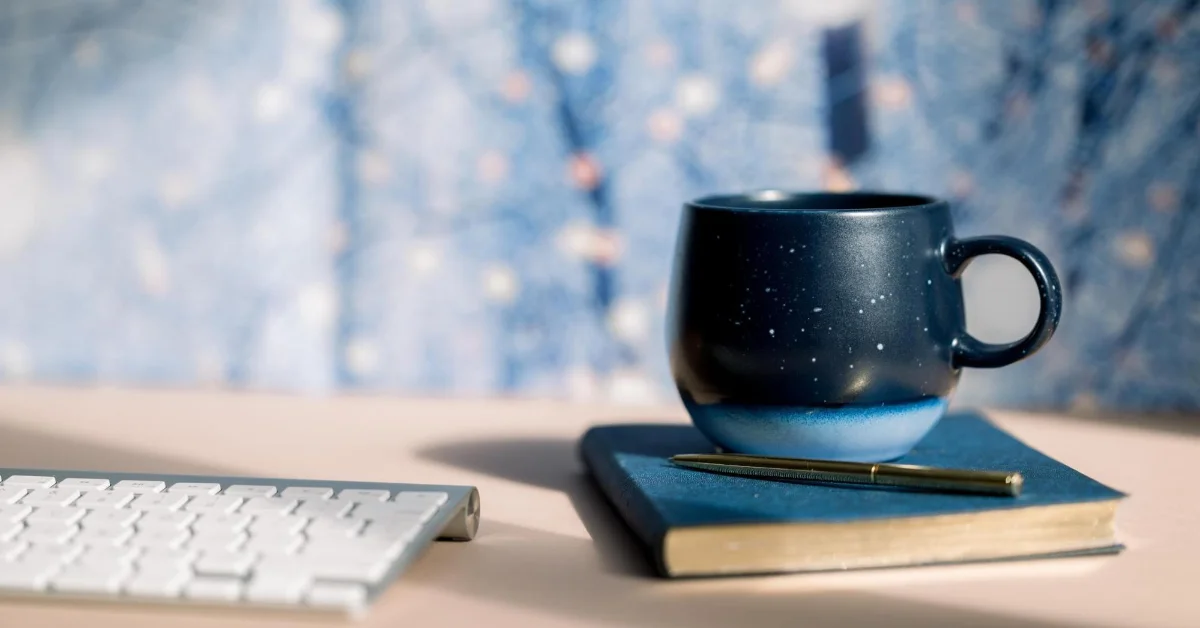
[{"x": 480, "y": 196}]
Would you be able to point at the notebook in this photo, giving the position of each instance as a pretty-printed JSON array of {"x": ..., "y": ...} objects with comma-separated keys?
[{"x": 696, "y": 523}]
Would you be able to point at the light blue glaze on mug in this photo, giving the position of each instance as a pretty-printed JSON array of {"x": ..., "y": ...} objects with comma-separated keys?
[{"x": 863, "y": 433}]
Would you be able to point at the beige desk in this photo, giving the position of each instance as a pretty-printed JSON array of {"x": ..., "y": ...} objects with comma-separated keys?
[{"x": 551, "y": 553}]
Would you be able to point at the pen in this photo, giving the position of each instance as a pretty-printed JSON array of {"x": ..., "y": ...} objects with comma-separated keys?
[{"x": 911, "y": 476}]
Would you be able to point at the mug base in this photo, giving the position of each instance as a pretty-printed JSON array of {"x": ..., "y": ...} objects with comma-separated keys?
[{"x": 859, "y": 433}]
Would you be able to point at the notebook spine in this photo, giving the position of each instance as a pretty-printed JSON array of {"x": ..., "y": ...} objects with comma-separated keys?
[{"x": 633, "y": 505}]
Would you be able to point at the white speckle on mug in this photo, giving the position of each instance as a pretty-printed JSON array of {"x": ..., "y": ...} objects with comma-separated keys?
[
  {"x": 816, "y": 309},
  {"x": 791, "y": 250},
  {"x": 925, "y": 329},
  {"x": 929, "y": 282},
  {"x": 860, "y": 311},
  {"x": 872, "y": 300},
  {"x": 814, "y": 379},
  {"x": 881, "y": 297},
  {"x": 814, "y": 359},
  {"x": 768, "y": 290},
  {"x": 851, "y": 366},
  {"x": 801, "y": 329},
  {"x": 771, "y": 331},
  {"x": 879, "y": 346}
]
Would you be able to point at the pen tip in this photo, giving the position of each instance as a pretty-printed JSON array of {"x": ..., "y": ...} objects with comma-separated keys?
[{"x": 1015, "y": 483}]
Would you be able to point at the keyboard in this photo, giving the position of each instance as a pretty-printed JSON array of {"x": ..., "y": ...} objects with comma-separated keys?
[{"x": 269, "y": 543}]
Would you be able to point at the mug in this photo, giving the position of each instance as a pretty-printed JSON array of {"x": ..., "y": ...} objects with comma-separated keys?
[{"x": 830, "y": 325}]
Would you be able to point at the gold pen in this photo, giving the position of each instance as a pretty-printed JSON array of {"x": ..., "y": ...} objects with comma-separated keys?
[{"x": 1006, "y": 483}]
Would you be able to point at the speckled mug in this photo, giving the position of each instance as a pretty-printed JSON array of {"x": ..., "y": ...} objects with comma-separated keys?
[{"x": 830, "y": 325}]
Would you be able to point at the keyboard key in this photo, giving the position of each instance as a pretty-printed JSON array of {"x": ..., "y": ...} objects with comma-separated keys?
[
  {"x": 14, "y": 513},
  {"x": 50, "y": 497},
  {"x": 334, "y": 528},
  {"x": 406, "y": 529},
  {"x": 362, "y": 547},
  {"x": 307, "y": 492},
  {"x": 161, "y": 538},
  {"x": 10, "y": 529},
  {"x": 213, "y": 522},
  {"x": 209, "y": 588},
  {"x": 108, "y": 555},
  {"x": 395, "y": 510},
  {"x": 104, "y": 536},
  {"x": 372, "y": 510},
  {"x": 10, "y": 550},
  {"x": 268, "y": 505},
  {"x": 105, "y": 499},
  {"x": 159, "y": 582},
  {"x": 61, "y": 552},
  {"x": 364, "y": 569},
  {"x": 165, "y": 519},
  {"x": 274, "y": 544},
  {"x": 90, "y": 579},
  {"x": 11, "y": 494},
  {"x": 213, "y": 504},
  {"x": 118, "y": 517},
  {"x": 158, "y": 558},
  {"x": 195, "y": 488},
  {"x": 218, "y": 541},
  {"x": 141, "y": 486},
  {"x": 278, "y": 524},
  {"x": 29, "y": 481},
  {"x": 250, "y": 490},
  {"x": 48, "y": 532},
  {"x": 84, "y": 484},
  {"x": 224, "y": 563},
  {"x": 331, "y": 508},
  {"x": 64, "y": 514},
  {"x": 26, "y": 576},
  {"x": 436, "y": 498},
  {"x": 336, "y": 595},
  {"x": 159, "y": 501},
  {"x": 364, "y": 495},
  {"x": 277, "y": 588}
]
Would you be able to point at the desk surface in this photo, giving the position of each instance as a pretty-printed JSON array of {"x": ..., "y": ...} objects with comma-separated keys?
[{"x": 550, "y": 552}]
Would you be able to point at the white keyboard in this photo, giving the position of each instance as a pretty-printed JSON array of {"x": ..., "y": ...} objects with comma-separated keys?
[{"x": 248, "y": 542}]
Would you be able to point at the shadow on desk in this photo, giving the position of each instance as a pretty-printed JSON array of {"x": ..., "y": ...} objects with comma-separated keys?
[
  {"x": 518, "y": 565},
  {"x": 552, "y": 464}
]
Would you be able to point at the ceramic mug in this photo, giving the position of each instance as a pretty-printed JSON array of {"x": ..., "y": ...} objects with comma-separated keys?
[{"x": 830, "y": 325}]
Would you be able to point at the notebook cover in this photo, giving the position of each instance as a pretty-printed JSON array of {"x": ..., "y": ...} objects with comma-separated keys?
[{"x": 629, "y": 463}]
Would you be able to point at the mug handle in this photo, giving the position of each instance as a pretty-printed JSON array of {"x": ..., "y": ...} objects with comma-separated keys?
[{"x": 972, "y": 352}]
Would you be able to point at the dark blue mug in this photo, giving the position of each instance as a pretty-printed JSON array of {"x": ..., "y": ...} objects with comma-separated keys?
[{"x": 830, "y": 325}]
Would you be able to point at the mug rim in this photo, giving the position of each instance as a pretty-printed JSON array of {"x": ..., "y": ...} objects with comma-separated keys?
[{"x": 783, "y": 201}]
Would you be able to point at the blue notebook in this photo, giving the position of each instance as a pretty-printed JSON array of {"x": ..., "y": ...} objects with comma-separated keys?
[{"x": 697, "y": 523}]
